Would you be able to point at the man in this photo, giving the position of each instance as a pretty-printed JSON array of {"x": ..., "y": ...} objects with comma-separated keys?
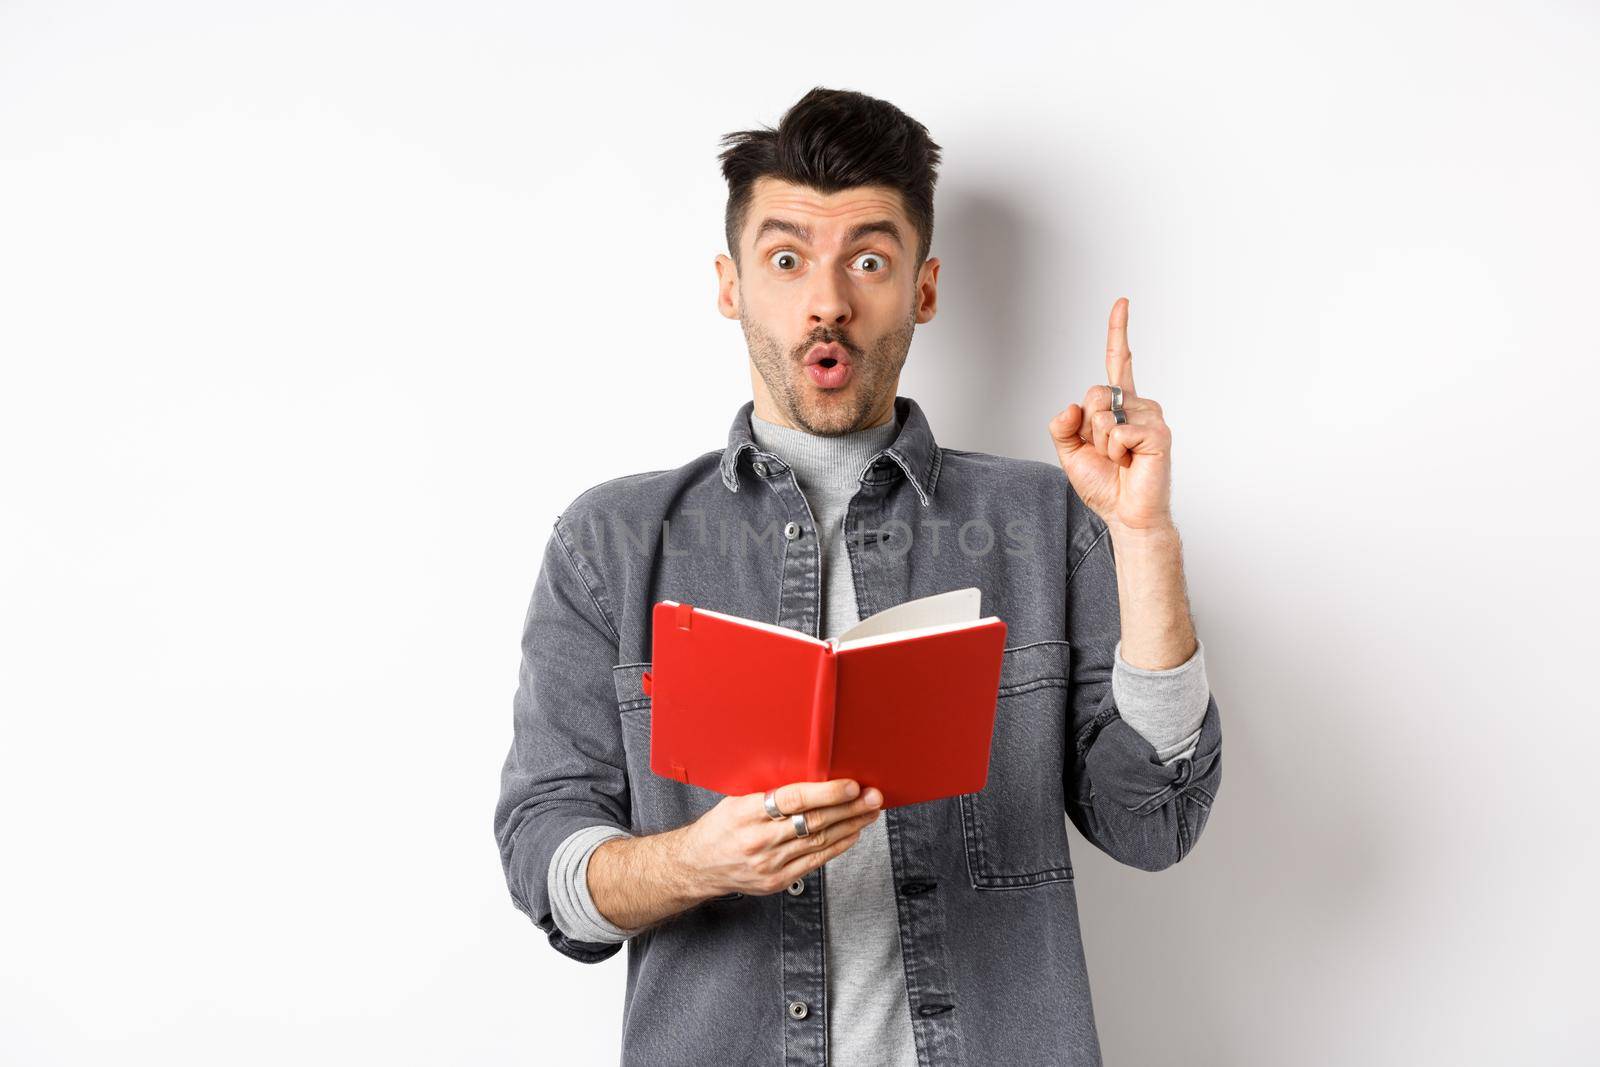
[{"x": 935, "y": 933}]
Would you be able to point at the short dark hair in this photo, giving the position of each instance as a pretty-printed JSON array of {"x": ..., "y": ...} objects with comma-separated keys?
[{"x": 833, "y": 139}]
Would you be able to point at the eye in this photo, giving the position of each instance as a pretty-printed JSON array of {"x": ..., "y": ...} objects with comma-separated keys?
[
  {"x": 877, "y": 261},
  {"x": 784, "y": 260}
]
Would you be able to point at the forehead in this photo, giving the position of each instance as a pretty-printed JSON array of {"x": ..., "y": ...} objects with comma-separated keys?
[{"x": 826, "y": 215}]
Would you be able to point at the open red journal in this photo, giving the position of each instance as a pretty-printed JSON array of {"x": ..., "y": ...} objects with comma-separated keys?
[{"x": 904, "y": 700}]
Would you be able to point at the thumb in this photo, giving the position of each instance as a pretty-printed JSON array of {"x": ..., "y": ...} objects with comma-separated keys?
[{"x": 1064, "y": 430}]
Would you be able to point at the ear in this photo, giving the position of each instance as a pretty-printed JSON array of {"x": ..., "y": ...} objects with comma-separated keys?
[
  {"x": 727, "y": 286},
  {"x": 927, "y": 295}
]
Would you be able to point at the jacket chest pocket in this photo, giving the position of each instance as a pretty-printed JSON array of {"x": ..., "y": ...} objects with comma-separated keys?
[
  {"x": 1015, "y": 827},
  {"x": 658, "y": 803}
]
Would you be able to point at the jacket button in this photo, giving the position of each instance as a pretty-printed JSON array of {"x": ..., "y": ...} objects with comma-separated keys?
[
  {"x": 1184, "y": 766},
  {"x": 791, "y": 530},
  {"x": 798, "y": 1009},
  {"x": 797, "y": 887},
  {"x": 759, "y": 467}
]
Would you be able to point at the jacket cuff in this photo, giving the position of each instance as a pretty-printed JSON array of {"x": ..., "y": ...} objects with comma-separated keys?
[{"x": 527, "y": 856}]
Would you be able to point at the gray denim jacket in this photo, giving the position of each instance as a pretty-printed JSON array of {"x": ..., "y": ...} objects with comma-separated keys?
[{"x": 987, "y": 905}]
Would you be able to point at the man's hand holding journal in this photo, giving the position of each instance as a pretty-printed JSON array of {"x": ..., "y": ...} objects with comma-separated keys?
[{"x": 903, "y": 701}]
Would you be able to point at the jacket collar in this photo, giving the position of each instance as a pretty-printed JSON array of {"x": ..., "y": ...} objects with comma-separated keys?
[{"x": 913, "y": 448}]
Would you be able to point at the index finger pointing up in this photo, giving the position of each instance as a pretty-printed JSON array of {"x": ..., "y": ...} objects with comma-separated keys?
[{"x": 1119, "y": 360}]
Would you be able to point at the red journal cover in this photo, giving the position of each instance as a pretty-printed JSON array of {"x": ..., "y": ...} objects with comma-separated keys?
[{"x": 740, "y": 706}]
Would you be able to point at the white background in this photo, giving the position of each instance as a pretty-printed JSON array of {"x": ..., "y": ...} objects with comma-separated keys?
[{"x": 313, "y": 316}]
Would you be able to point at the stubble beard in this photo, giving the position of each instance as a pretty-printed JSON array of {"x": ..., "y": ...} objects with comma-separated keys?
[{"x": 830, "y": 413}]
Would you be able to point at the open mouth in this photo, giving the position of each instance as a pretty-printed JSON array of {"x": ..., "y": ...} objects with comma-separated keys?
[
  {"x": 828, "y": 365},
  {"x": 828, "y": 355}
]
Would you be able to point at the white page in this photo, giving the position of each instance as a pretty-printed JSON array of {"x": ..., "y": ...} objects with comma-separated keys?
[
  {"x": 939, "y": 609},
  {"x": 900, "y": 635}
]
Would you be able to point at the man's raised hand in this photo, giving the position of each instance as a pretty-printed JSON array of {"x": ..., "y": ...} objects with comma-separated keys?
[{"x": 1123, "y": 472}]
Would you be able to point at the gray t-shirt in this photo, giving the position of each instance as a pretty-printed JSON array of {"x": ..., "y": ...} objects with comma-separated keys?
[{"x": 869, "y": 1008}]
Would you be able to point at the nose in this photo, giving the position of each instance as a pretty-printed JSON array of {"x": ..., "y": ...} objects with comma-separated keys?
[{"x": 829, "y": 300}]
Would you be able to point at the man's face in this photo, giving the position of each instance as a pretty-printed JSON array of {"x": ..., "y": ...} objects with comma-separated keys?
[{"x": 831, "y": 270}]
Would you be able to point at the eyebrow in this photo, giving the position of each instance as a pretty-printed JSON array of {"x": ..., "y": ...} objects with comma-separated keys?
[{"x": 883, "y": 226}]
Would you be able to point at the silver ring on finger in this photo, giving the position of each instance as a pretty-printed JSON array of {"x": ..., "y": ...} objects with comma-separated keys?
[
  {"x": 771, "y": 803},
  {"x": 800, "y": 827},
  {"x": 1116, "y": 404}
]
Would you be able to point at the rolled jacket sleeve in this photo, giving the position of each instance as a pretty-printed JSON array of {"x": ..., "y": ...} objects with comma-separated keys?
[
  {"x": 1121, "y": 793},
  {"x": 566, "y": 769}
]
